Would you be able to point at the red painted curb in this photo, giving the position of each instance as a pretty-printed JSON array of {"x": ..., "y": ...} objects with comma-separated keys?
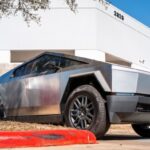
[{"x": 45, "y": 138}]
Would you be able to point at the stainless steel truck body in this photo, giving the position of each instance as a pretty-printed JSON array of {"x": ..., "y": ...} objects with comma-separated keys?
[{"x": 83, "y": 93}]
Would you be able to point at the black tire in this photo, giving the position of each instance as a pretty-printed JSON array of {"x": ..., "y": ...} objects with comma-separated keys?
[
  {"x": 1, "y": 112},
  {"x": 85, "y": 109},
  {"x": 142, "y": 129}
]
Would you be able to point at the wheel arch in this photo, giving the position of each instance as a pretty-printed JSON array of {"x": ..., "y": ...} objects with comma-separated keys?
[{"x": 95, "y": 79}]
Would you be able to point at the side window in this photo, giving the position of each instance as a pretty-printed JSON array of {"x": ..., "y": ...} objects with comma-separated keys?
[
  {"x": 45, "y": 64},
  {"x": 19, "y": 72},
  {"x": 23, "y": 70},
  {"x": 28, "y": 67},
  {"x": 65, "y": 62}
]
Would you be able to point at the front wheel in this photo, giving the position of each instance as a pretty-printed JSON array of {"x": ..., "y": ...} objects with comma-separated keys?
[
  {"x": 142, "y": 129},
  {"x": 85, "y": 109}
]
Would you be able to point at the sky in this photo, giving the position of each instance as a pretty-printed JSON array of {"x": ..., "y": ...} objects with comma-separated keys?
[{"x": 139, "y": 9}]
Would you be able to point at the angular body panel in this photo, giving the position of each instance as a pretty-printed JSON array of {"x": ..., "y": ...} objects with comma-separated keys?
[
  {"x": 40, "y": 87},
  {"x": 32, "y": 95},
  {"x": 125, "y": 80}
]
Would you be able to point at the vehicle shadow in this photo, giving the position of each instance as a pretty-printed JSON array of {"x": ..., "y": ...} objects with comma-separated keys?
[{"x": 113, "y": 137}]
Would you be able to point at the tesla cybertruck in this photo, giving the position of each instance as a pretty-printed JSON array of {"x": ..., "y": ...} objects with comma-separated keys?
[{"x": 81, "y": 93}]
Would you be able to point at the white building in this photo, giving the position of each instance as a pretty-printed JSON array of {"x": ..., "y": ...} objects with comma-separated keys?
[{"x": 95, "y": 31}]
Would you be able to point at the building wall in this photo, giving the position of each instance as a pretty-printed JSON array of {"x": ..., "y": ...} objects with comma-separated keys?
[
  {"x": 128, "y": 38},
  {"x": 92, "y": 31},
  {"x": 4, "y": 56}
]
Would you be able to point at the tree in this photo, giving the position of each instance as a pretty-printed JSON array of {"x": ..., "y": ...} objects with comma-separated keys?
[{"x": 29, "y": 8}]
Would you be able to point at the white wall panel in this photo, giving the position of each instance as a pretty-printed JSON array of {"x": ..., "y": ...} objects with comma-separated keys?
[
  {"x": 4, "y": 56},
  {"x": 92, "y": 28}
]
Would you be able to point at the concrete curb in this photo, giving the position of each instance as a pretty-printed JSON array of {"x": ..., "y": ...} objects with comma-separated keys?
[{"x": 45, "y": 138}]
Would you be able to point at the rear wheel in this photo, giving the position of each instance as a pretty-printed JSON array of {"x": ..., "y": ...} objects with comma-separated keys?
[
  {"x": 142, "y": 129},
  {"x": 85, "y": 109}
]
